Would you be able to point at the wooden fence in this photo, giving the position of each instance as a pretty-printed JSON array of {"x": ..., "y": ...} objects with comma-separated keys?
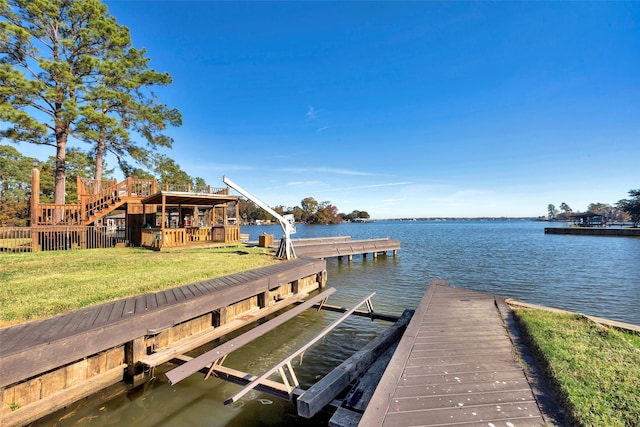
[{"x": 55, "y": 238}]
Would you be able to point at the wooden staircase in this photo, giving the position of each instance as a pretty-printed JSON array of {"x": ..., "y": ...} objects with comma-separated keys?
[
  {"x": 99, "y": 198},
  {"x": 96, "y": 199}
]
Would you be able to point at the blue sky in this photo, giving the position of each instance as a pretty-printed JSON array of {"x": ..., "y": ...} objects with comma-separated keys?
[{"x": 413, "y": 109}]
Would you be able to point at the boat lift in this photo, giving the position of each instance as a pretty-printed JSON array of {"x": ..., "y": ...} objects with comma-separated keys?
[
  {"x": 287, "y": 222},
  {"x": 211, "y": 362},
  {"x": 324, "y": 392}
]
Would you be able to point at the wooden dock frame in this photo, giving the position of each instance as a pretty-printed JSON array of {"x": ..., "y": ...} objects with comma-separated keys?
[
  {"x": 48, "y": 364},
  {"x": 340, "y": 247}
]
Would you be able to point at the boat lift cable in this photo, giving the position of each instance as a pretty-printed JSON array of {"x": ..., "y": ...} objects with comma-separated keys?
[{"x": 287, "y": 222}]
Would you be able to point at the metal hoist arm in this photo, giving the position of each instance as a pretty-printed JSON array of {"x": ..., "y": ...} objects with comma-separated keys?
[{"x": 287, "y": 222}]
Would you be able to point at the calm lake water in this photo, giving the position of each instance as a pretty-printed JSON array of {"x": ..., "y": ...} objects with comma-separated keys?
[{"x": 592, "y": 275}]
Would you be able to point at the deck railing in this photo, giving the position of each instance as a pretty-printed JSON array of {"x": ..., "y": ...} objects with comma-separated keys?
[
  {"x": 54, "y": 238},
  {"x": 188, "y": 188},
  {"x": 157, "y": 238},
  {"x": 53, "y": 214}
]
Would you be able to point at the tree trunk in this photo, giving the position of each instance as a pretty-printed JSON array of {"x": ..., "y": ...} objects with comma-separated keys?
[
  {"x": 59, "y": 198},
  {"x": 100, "y": 149}
]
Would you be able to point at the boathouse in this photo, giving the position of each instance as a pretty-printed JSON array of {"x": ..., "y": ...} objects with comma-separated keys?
[{"x": 588, "y": 219}]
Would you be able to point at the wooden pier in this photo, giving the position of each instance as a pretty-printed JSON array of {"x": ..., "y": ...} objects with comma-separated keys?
[
  {"x": 594, "y": 231},
  {"x": 454, "y": 365},
  {"x": 47, "y": 364},
  {"x": 344, "y": 247}
]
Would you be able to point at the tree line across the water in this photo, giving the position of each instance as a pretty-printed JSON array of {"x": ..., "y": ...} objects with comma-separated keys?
[{"x": 623, "y": 210}]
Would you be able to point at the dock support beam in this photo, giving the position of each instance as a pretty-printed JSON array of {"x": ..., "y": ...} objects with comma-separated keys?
[
  {"x": 220, "y": 317},
  {"x": 324, "y": 391},
  {"x": 134, "y": 351}
]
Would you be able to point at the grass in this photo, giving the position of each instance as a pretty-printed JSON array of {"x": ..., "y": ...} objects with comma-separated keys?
[
  {"x": 42, "y": 284},
  {"x": 594, "y": 370}
]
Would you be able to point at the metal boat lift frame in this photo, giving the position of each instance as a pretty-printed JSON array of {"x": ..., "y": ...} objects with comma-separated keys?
[{"x": 211, "y": 362}]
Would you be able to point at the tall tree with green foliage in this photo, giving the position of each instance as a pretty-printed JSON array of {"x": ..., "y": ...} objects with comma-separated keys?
[
  {"x": 631, "y": 206},
  {"x": 123, "y": 101},
  {"x": 309, "y": 207},
  {"x": 600, "y": 208},
  {"x": 58, "y": 63},
  {"x": 15, "y": 187}
]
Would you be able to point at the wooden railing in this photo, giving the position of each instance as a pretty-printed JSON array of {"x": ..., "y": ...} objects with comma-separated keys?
[
  {"x": 52, "y": 214},
  {"x": 188, "y": 188},
  {"x": 89, "y": 187},
  {"x": 54, "y": 238},
  {"x": 98, "y": 198},
  {"x": 157, "y": 238},
  {"x": 111, "y": 195},
  {"x": 226, "y": 233}
]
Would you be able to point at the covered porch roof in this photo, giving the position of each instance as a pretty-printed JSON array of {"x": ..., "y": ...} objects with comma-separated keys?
[{"x": 176, "y": 198}]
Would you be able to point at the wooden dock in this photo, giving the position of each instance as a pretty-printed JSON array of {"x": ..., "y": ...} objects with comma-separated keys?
[
  {"x": 344, "y": 247},
  {"x": 47, "y": 364},
  {"x": 454, "y": 365},
  {"x": 594, "y": 231}
]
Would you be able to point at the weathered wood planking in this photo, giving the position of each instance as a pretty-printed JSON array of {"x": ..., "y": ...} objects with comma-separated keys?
[
  {"x": 35, "y": 347},
  {"x": 328, "y": 249},
  {"x": 454, "y": 366}
]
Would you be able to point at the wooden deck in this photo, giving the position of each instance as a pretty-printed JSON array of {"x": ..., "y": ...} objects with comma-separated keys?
[
  {"x": 454, "y": 366},
  {"x": 32, "y": 348},
  {"x": 343, "y": 247}
]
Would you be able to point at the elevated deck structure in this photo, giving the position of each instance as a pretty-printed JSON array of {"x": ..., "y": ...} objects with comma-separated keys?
[
  {"x": 455, "y": 365},
  {"x": 155, "y": 215}
]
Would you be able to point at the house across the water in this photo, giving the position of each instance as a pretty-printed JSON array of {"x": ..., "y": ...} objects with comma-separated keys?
[{"x": 588, "y": 219}]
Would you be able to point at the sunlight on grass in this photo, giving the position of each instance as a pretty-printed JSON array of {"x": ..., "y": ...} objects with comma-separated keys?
[
  {"x": 594, "y": 370},
  {"x": 42, "y": 284}
]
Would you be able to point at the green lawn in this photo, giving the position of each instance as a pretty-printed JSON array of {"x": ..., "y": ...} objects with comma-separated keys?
[
  {"x": 42, "y": 284},
  {"x": 594, "y": 370}
]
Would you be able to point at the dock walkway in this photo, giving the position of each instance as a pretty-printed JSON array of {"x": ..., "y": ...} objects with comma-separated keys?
[
  {"x": 34, "y": 347},
  {"x": 344, "y": 247},
  {"x": 454, "y": 365}
]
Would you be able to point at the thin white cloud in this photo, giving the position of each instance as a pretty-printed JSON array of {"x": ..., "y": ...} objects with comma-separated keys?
[
  {"x": 362, "y": 187},
  {"x": 327, "y": 170},
  {"x": 312, "y": 114},
  {"x": 222, "y": 167},
  {"x": 304, "y": 183},
  {"x": 392, "y": 201}
]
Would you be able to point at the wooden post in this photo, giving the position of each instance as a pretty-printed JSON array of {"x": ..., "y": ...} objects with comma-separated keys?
[
  {"x": 163, "y": 221},
  {"x": 322, "y": 279},
  {"x": 220, "y": 317},
  {"x": 35, "y": 206},
  {"x": 295, "y": 286},
  {"x": 263, "y": 299},
  {"x": 134, "y": 351},
  {"x": 324, "y": 391}
]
